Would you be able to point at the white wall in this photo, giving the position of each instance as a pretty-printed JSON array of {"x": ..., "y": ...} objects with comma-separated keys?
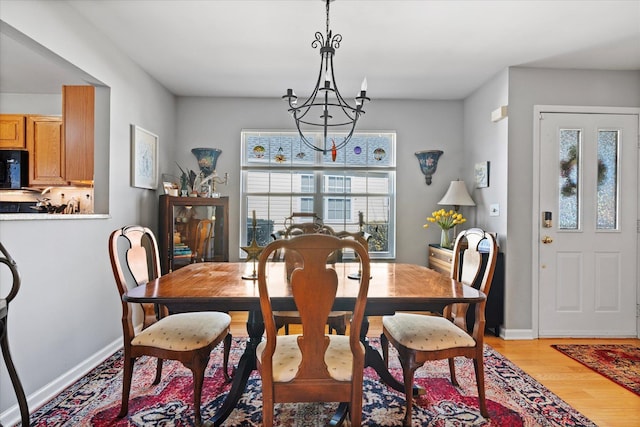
[
  {"x": 485, "y": 140},
  {"x": 21, "y": 103},
  {"x": 68, "y": 308},
  {"x": 420, "y": 125},
  {"x": 529, "y": 87}
]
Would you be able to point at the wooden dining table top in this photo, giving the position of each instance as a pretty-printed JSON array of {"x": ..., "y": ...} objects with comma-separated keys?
[{"x": 220, "y": 286}]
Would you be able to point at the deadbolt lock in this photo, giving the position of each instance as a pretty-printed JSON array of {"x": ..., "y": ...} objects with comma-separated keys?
[{"x": 546, "y": 240}]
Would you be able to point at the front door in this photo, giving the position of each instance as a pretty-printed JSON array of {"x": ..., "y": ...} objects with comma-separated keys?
[{"x": 587, "y": 242}]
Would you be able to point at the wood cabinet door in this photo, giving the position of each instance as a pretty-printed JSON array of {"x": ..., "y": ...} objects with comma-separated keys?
[
  {"x": 12, "y": 134},
  {"x": 78, "y": 108},
  {"x": 46, "y": 150}
]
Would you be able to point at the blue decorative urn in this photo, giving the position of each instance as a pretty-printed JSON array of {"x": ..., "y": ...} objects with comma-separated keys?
[
  {"x": 207, "y": 159},
  {"x": 428, "y": 162}
]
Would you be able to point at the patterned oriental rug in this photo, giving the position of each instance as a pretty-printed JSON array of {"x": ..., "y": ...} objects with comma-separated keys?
[
  {"x": 618, "y": 362},
  {"x": 513, "y": 398}
]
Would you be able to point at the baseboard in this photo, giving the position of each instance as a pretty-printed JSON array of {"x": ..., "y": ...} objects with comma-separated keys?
[
  {"x": 12, "y": 415},
  {"x": 516, "y": 334}
]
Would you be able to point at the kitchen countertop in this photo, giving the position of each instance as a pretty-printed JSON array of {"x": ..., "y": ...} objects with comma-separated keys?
[{"x": 44, "y": 216}]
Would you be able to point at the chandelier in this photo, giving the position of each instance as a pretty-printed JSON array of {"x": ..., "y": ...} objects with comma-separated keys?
[{"x": 326, "y": 108}]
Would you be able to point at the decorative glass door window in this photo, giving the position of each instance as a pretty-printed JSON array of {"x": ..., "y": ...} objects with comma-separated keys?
[
  {"x": 608, "y": 189},
  {"x": 569, "y": 179}
]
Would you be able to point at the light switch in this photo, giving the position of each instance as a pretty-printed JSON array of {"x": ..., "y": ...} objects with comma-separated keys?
[{"x": 494, "y": 209}]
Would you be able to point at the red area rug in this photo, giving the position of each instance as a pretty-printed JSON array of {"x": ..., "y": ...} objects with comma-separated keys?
[
  {"x": 513, "y": 398},
  {"x": 618, "y": 362}
]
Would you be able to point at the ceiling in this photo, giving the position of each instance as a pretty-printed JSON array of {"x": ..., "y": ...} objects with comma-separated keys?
[{"x": 406, "y": 49}]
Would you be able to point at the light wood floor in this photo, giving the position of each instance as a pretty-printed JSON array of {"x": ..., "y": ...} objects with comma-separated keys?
[{"x": 596, "y": 397}]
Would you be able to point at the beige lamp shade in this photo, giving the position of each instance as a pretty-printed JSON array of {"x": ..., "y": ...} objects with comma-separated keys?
[{"x": 457, "y": 195}]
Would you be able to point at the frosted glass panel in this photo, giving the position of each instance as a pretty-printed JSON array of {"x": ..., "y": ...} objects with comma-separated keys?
[
  {"x": 607, "y": 212},
  {"x": 569, "y": 179}
]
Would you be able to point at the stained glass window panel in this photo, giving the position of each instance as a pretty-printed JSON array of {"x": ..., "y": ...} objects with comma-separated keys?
[
  {"x": 607, "y": 192},
  {"x": 569, "y": 179}
]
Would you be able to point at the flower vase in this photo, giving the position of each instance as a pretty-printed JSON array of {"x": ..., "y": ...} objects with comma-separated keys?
[{"x": 445, "y": 238}]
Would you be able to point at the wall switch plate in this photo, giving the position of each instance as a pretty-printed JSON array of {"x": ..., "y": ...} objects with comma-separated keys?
[{"x": 494, "y": 209}]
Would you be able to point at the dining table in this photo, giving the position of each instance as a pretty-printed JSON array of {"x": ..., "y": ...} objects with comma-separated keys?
[{"x": 229, "y": 286}]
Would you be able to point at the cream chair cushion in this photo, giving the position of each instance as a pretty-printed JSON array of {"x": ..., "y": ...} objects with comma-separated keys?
[
  {"x": 169, "y": 332},
  {"x": 426, "y": 333},
  {"x": 288, "y": 356}
]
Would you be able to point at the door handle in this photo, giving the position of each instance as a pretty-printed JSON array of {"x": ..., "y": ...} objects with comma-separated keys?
[{"x": 546, "y": 240}]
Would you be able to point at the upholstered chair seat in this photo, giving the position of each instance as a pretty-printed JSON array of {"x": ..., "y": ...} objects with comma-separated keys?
[
  {"x": 426, "y": 333},
  {"x": 288, "y": 356},
  {"x": 184, "y": 331}
]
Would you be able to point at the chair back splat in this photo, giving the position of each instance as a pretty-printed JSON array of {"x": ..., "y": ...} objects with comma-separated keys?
[
  {"x": 337, "y": 319},
  {"x": 203, "y": 236},
  {"x": 312, "y": 366}
]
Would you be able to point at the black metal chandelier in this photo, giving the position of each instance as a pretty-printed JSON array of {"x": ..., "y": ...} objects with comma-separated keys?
[{"x": 326, "y": 108}]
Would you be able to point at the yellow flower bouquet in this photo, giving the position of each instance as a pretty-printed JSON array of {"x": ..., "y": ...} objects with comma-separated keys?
[{"x": 446, "y": 220}]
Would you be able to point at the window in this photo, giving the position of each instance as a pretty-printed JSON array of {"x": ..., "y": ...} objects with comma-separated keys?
[
  {"x": 280, "y": 176},
  {"x": 306, "y": 183},
  {"x": 338, "y": 184},
  {"x": 306, "y": 205},
  {"x": 338, "y": 210}
]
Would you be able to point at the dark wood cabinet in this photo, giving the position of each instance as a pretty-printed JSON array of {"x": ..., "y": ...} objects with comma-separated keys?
[
  {"x": 178, "y": 223},
  {"x": 440, "y": 259}
]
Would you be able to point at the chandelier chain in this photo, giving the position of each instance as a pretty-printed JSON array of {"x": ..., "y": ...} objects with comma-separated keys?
[{"x": 333, "y": 110}]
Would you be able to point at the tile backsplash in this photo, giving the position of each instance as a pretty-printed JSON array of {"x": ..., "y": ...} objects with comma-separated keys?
[{"x": 81, "y": 197}]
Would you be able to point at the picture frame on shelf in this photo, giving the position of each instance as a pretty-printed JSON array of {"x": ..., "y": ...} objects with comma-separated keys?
[
  {"x": 482, "y": 174},
  {"x": 144, "y": 158}
]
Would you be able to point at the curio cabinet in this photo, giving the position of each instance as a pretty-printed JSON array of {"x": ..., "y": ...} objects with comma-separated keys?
[{"x": 193, "y": 229}]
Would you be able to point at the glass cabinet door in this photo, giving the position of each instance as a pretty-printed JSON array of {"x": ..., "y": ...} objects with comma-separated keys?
[
  {"x": 194, "y": 234},
  {"x": 194, "y": 230}
]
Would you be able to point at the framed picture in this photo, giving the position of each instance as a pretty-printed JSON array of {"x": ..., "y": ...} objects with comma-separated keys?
[
  {"x": 482, "y": 174},
  {"x": 144, "y": 158}
]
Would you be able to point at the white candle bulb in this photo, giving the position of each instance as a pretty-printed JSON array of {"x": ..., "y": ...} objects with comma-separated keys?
[{"x": 363, "y": 87}]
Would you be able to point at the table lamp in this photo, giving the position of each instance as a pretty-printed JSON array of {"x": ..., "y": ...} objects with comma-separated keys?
[{"x": 457, "y": 195}]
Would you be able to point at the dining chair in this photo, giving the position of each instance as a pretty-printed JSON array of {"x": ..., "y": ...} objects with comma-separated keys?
[
  {"x": 203, "y": 236},
  {"x": 6, "y": 260},
  {"x": 186, "y": 337},
  {"x": 312, "y": 366},
  {"x": 419, "y": 338},
  {"x": 337, "y": 319}
]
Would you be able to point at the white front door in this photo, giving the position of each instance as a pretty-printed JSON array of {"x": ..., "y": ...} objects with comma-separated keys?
[{"x": 588, "y": 252}]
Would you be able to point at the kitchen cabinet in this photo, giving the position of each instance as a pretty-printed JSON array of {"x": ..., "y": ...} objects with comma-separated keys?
[
  {"x": 78, "y": 111},
  {"x": 12, "y": 131},
  {"x": 46, "y": 151},
  {"x": 178, "y": 222},
  {"x": 440, "y": 259}
]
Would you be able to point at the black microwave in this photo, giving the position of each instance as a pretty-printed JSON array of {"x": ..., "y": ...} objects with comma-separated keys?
[{"x": 14, "y": 168}]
